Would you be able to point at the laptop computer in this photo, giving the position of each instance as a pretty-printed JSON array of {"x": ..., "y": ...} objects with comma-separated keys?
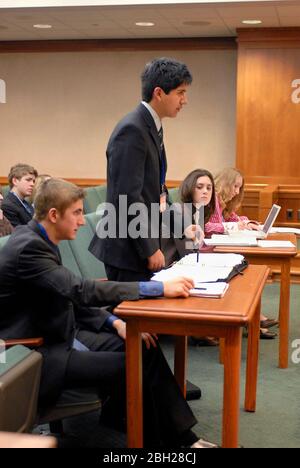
[{"x": 266, "y": 228}]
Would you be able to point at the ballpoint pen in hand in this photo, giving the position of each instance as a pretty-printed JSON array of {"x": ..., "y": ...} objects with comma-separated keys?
[{"x": 198, "y": 236}]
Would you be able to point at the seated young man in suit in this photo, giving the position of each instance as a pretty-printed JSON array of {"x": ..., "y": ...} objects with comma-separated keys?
[
  {"x": 84, "y": 343},
  {"x": 5, "y": 226},
  {"x": 16, "y": 209}
]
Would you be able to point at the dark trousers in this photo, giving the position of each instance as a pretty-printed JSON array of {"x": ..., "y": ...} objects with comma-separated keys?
[
  {"x": 167, "y": 416},
  {"x": 116, "y": 274}
]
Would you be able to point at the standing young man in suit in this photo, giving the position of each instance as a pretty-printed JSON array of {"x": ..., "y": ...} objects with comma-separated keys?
[
  {"x": 16, "y": 209},
  {"x": 136, "y": 168},
  {"x": 83, "y": 341}
]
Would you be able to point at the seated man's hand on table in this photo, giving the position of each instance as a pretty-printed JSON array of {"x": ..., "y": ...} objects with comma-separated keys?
[{"x": 178, "y": 287}]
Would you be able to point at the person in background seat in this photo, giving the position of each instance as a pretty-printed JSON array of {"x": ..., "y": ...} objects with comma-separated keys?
[
  {"x": 229, "y": 196},
  {"x": 5, "y": 226},
  {"x": 15, "y": 207}
]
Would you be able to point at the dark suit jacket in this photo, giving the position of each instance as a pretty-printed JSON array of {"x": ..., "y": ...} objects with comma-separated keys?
[
  {"x": 14, "y": 211},
  {"x": 133, "y": 169},
  {"x": 39, "y": 297}
]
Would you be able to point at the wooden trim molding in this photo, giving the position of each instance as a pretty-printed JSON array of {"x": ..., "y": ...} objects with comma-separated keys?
[
  {"x": 119, "y": 45},
  {"x": 94, "y": 182},
  {"x": 268, "y": 36},
  {"x": 273, "y": 180}
]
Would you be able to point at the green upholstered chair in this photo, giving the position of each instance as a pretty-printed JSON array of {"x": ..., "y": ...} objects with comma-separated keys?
[
  {"x": 94, "y": 196},
  {"x": 174, "y": 195},
  {"x": 19, "y": 387},
  {"x": 3, "y": 241},
  {"x": 93, "y": 219},
  {"x": 68, "y": 259},
  {"x": 5, "y": 190},
  {"x": 89, "y": 266}
]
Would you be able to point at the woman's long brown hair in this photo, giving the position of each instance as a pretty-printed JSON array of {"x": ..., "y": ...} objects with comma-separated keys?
[{"x": 187, "y": 187}]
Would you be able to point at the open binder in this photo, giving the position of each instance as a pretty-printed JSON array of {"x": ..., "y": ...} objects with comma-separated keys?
[{"x": 211, "y": 270}]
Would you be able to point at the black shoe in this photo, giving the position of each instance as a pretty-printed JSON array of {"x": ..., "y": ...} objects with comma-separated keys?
[
  {"x": 268, "y": 323},
  {"x": 203, "y": 341},
  {"x": 266, "y": 334},
  {"x": 204, "y": 444},
  {"x": 192, "y": 391}
]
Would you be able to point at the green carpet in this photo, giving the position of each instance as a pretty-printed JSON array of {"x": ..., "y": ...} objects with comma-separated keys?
[{"x": 276, "y": 422}]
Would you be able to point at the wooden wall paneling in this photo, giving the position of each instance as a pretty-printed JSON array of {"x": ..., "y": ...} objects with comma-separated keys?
[
  {"x": 268, "y": 143},
  {"x": 268, "y": 196}
]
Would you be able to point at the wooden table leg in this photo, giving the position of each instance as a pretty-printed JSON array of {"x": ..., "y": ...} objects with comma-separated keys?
[
  {"x": 134, "y": 386},
  {"x": 231, "y": 403},
  {"x": 284, "y": 314},
  {"x": 252, "y": 361},
  {"x": 180, "y": 360}
]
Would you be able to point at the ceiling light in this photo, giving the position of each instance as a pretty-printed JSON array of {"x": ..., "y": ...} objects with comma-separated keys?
[
  {"x": 42, "y": 26},
  {"x": 144, "y": 24},
  {"x": 252, "y": 21}
]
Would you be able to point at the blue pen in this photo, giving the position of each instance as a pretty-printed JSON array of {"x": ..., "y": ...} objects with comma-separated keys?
[{"x": 201, "y": 289}]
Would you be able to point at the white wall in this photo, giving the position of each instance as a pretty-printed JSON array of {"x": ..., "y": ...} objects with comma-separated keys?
[{"x": 61, "y": 108}]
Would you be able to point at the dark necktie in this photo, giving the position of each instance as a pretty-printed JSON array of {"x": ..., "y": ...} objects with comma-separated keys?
[{"x": 161, "y": 138}]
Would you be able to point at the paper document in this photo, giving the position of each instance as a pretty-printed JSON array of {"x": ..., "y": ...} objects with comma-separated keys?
[
  {"x": 210, "y": 268},
  {"x": 285, "y": 230},
  {"x": 216, "y": 290},
  {"x": 197, "y": 272},
  {"x": 275, "y": 244},
  {"x": 239, "y": 241},
  {"x": 212, "y": 260}
]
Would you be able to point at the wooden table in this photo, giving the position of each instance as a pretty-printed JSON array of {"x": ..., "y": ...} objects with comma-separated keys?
[
  {"x": 16, "y": 440},
  {"x": 203, "y": 317},
  {"x": 271, "y": 257}
]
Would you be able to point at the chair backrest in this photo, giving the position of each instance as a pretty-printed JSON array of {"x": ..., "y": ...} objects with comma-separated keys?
[
  {"x": 93, "y": 219},
  {"x": 3, "y": 241},
  {"x": 68, "y": 259},
  {"x": 174, "y": 195},
  {"x": 94, "y": 196},
  {"x": 90, "y": 267},
  {"x": 5, "y": 190},
  {"x": 19, "y": 387},
  {"x": 72, "y": 402}
]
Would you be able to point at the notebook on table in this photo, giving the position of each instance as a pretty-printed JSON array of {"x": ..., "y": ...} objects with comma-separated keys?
[
  {"x": 266, "y": 228},
  {"x": 214, "y": 290}
]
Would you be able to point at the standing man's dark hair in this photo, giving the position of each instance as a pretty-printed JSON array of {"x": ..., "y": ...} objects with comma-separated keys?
[
  {"x": 165, "y": 73},
  {"x": 136, "y": 169}
]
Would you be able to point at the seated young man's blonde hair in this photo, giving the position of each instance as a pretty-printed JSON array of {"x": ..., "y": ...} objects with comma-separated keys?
[{"x": 55, "y": 193}]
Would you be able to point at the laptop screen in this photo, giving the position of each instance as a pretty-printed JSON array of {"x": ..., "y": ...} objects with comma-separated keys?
[{"x": 271, "y": 218}]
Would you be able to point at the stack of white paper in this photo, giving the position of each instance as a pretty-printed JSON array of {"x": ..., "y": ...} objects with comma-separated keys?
[
  {"x": 209, "y": 269},
  {"x": 285, "y": 230},
  {"x": 229, "y": 240},
  {"x": 212, "y": 260},
  {"x": 216, "y": 290},
  {"x": 275, "y": 244}
]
